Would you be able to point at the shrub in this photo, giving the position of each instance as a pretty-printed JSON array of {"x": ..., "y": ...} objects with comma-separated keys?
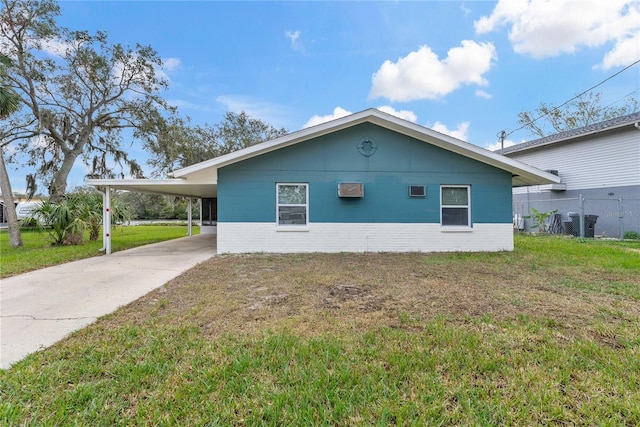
[
  {"x": 81, "y": 210},
  {"x": 62, "y": 221},
  {"x": 89, "y": 209},
  {"x": 632, "y": 235},
  {"x": 540, "y": 219}
]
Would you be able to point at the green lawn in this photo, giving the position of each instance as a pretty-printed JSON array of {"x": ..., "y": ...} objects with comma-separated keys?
[
  {"x": 38, "y": 253},
  {"x": 546, "y": 335}
]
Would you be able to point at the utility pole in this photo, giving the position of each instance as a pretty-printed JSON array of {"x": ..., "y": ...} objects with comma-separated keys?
[{"x": 502, "y": 135}]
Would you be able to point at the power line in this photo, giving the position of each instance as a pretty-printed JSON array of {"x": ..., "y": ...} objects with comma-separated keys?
[
  {"x": 623, "y": 97},
  {"x": 502, "y": 135}
]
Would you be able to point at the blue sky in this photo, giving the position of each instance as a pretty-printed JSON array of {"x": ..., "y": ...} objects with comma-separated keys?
[{"x": 463, "y": 68}]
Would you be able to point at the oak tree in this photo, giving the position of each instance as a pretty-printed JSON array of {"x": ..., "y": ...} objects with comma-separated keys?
[
  {"x": 583, "y": 110},
  {"x": 179, "y": 143},
  {"x": 82, "y": 96}
]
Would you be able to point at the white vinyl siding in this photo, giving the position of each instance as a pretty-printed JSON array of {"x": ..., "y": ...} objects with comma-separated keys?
[{"x": 604, "y": 161}]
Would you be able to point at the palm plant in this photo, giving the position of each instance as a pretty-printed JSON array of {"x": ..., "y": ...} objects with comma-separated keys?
[
  {"x": 62, "y": 221},
  {"x": 66, "y": 221},
  {"x": 89, "y": 209}
]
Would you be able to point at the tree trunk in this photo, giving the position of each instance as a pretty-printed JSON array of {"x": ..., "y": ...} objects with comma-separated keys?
[
  {"x": 58, "y": 186},
  {"x": 15, "y": 238}
]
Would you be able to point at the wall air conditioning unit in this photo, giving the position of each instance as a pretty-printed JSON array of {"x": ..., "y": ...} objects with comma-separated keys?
[
  {"x": 417, "y": 191},
  {"x": 351, "y": 189}
]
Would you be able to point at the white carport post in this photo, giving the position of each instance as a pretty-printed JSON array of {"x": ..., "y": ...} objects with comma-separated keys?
[
  {"x": 106, "y": 220},
  {"x": 189, "y": 217}
]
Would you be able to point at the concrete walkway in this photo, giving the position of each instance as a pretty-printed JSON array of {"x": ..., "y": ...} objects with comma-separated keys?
[{"x": 40, "y": 308}]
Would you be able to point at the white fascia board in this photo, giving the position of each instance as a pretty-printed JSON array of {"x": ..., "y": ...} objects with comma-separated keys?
[
  {"x": 133, "y": 182},
  {"x": 175, "y": 187}
]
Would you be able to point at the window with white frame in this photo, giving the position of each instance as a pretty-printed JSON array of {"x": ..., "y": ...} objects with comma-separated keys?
[
  {"x": 292, "y": 202},
  {"x": 455, "y": 205}
]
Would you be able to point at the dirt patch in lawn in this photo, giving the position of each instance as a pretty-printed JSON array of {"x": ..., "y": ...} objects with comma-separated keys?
[{"x": 317, "y": 293}]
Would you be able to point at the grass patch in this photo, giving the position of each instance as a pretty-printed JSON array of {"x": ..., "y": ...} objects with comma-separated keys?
[
  {"x": 531, "y": 337},
  {"x": 37, "y": 251}
]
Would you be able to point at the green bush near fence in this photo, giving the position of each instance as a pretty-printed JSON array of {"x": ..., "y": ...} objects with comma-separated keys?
[{"x": 632, "y": 235}]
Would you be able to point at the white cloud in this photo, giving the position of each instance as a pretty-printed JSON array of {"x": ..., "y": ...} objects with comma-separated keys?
[
  {"x": 294, "y": 38},
  {"x": 183, "y": 103},
  {"x": 338, "y": 112},
  {"x": 623, "y": 53},
  {"x": 483, "y": 94},
  {"x": 40, "y": 141},
  {"x": 496, "y": 145},
  {"x": 168, "y": 65},
  {"x": 171, "y": 64},
  {"x": 10, "y": 149},
  {"x": 55, "y": 47},
  {"x": 273, "y": 114},
  {"x": 545, "y": 28},
  {"x": 403, "y": 114},
  {"x": 422, "y": 75},
  {"x": 460, "y": 132}
]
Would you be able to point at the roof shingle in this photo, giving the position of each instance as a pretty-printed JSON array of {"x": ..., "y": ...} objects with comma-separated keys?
[{"x": 574, "y": 133}]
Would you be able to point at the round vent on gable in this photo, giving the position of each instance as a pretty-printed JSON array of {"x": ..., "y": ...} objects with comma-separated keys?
[{"x": 367, "y": 147}]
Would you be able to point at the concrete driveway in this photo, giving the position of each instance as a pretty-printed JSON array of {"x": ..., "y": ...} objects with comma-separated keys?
[{"x": 40, "y": 308}]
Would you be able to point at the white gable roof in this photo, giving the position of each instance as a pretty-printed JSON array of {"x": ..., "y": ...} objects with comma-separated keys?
[{"x": 522, "y": 174}]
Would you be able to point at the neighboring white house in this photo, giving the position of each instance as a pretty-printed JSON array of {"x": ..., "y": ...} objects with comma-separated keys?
[{"x": 601, "y": 162}]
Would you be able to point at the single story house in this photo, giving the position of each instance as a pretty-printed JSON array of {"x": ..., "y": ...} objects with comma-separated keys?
[
  {"x": 600, "y": 162},
  {"x": 366, "y": 182}
]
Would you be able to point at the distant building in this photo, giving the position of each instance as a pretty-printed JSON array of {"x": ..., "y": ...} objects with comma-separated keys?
[{"x": 601, "y": 162}]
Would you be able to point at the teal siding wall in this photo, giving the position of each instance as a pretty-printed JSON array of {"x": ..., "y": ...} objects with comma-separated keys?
[{"x": 246, "y": 190}]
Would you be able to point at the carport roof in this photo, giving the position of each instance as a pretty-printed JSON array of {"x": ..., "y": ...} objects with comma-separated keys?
[{"x": 169, "y": 187}]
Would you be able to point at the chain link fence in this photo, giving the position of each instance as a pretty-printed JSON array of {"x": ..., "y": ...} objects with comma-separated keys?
[{"x": 580, "y": 216}]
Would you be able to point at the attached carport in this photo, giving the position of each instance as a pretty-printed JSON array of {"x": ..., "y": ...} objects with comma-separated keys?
[{"x": 167, "y": 187}]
